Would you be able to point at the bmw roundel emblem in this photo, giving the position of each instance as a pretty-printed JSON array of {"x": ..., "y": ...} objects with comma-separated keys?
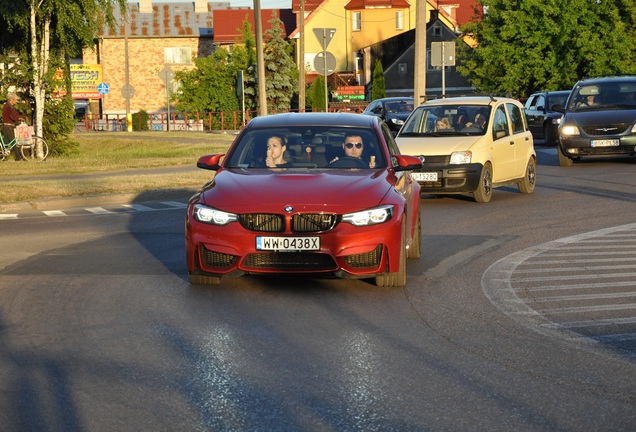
[{"x": 288, "y": 209}]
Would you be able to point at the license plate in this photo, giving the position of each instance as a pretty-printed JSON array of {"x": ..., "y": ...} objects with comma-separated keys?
[
  {"x": 605, "y": 143},
  {"x": 425, "y": 176},
  {"x": 287, "y": 243}
]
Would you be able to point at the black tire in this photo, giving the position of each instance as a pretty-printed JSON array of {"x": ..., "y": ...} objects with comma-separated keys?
[
  {"x": 397, "y": 279},
  {"x": 29, "y": 152},
  {"x": 415, "y": 250},
  {"x": 483, "y": 193},
  {"x": 526, "y": 185},
  {"x": 564, "y": 161}
]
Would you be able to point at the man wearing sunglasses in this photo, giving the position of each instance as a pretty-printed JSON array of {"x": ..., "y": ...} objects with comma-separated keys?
[{"x": 353, "y": 147}]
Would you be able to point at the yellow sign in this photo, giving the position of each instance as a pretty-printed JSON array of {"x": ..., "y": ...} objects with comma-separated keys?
[{"x": 84, "y": 79}]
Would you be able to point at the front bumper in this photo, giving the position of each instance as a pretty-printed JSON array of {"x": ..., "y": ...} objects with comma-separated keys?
[
  {"x": 345, "y": 251},
  {"x": 576, "y": 146},
  {"x": 451, "y": 178}
]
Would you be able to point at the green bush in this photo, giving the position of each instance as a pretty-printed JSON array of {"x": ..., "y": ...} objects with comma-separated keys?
[
  {"x": 140, "y": 120},
  {"x": 58, "y": 123}
]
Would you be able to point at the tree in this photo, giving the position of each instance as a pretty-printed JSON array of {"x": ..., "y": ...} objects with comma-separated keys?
[
  {"x": 44, "y": 33},
  {"x": 209, "y": 86},
  {"x": 281, "y": 73},
  {"x": 317, "y": 94},
  {"x": 378, "y": 90},
  {"x": 526, "y": 45},
  {"x": 244, "y": 58}
]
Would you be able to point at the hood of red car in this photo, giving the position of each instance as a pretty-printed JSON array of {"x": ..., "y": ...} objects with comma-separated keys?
[{"x": 241, "y": 190}]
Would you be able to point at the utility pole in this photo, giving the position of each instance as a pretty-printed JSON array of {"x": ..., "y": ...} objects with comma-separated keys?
[
  {"x": 419, "y": 72},
  {"x": 260, "y": 65},
  {"x": 301, "y": 58}
]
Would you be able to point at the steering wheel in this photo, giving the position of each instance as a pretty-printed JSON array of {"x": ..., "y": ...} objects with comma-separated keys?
[{"x": 348, "y": 162}]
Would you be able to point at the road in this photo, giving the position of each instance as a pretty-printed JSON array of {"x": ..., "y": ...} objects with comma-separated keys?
[{"x": 519, "y": 316}]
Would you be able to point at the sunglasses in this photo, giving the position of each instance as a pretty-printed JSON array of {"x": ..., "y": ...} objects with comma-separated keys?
[{"x": 350, "y": 145}]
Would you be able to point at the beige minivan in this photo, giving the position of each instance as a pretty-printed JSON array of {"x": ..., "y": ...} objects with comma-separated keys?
[{"x": 470, "y": 145}]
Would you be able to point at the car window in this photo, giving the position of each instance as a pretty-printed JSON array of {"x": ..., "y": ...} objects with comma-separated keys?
[
  {"x": 388, "y": 137},
  {"x": 540, "y": 105},
  {"x": 516, "y": 117},
  {"x": 305, "y": 147},
  {"x": 500, "y": 127},
  {"x": 447, "y": 120},
  {"x": 531, "y": 103}
]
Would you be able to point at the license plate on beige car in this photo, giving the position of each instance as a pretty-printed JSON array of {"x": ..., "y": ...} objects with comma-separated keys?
[
  {"x": 425, "y": 176},
  {"x": 605, "y": 143}
]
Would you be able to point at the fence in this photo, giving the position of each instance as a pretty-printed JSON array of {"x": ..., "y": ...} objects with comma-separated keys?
[{"x": 219, "y": 121}]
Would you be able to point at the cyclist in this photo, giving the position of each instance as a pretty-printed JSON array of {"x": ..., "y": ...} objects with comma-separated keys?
[{"x": 10, "y": 117}]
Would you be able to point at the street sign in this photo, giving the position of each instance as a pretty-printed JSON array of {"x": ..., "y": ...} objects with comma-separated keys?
[
  {"x": 319, "y": 63},
  {"x": 127, "y": 91},
  {"x": 102, "y": 88},
  {"x": 166, "y": 74},
  {"x": 442, "y": 54},
  {"x": 324, "y": 36}
]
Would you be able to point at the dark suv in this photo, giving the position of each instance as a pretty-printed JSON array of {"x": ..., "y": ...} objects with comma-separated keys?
[
  {"x": 599, "y": 119},
  {"x": 543, "y": 121}
]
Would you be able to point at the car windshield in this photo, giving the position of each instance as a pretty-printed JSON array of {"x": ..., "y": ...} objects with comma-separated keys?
[
  {"x": 307, "y": 147},
  {"x": 398, "y": 107},
  {"x": 447, "y": 120},
  {"x": 558, "y": 99},
  {"x": 603, "y": 96}
]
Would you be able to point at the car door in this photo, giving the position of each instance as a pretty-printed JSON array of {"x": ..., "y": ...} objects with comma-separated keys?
[
  {"x": 502, "y": 147},
  {"x": 521, "y": 139},
  {"x": 535, "y": 113}
]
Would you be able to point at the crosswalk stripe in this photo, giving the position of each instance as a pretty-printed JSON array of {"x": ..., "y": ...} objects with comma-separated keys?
[
  {"x": 54, "y": 213},
  {"x": 98, "y": 210},
  {"x": 138, "y": 207},
  {"x": 9, "y": 216}
]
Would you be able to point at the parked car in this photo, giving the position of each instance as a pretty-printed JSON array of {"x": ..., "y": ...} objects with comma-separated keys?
[
  {"x": 470, "y": 145},
  {"x": 543, "y": 121},
  {"x": 393, "y": 110},
  {"x": 599, "y": 119},
  {"x": 320, "y": 212}
]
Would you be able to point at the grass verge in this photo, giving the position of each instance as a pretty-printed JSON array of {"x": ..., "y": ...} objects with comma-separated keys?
[{"x": 114, "y": 162}]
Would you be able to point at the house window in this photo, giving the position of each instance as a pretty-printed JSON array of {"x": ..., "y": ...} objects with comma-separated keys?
[
  {"x": 399, "y": 20},
  {"x": 177, "y": 55},
  {"x": 356, "y": 20}
]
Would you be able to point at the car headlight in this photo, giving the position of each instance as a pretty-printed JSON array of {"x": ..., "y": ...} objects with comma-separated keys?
[
  {"x": 372, "y": 216},
  {"x": 461, "y": 157},
  {"x": 556, "y": 121},
  {"x": 213, "y": 216},
  {"x": 634, "y": 129},
  {"x": 569, "y": 130},
  {"x": 397, "y": 121}
]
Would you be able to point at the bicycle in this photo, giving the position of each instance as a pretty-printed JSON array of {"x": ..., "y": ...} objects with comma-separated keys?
[{"x": 26, "y": 146}]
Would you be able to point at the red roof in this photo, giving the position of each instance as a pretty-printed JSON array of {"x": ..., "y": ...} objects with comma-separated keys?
[
  {"x": 228, "y": 23},
  {"x": 464, "y": 11}
]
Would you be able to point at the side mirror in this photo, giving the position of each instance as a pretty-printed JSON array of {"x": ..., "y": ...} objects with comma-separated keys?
[
  {"x": 210, "y": 162},
  {"x": 406, "y": 163}
]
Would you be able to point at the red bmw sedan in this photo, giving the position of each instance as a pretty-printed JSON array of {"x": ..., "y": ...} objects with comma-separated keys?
[{"x": 321, "y": 194}]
